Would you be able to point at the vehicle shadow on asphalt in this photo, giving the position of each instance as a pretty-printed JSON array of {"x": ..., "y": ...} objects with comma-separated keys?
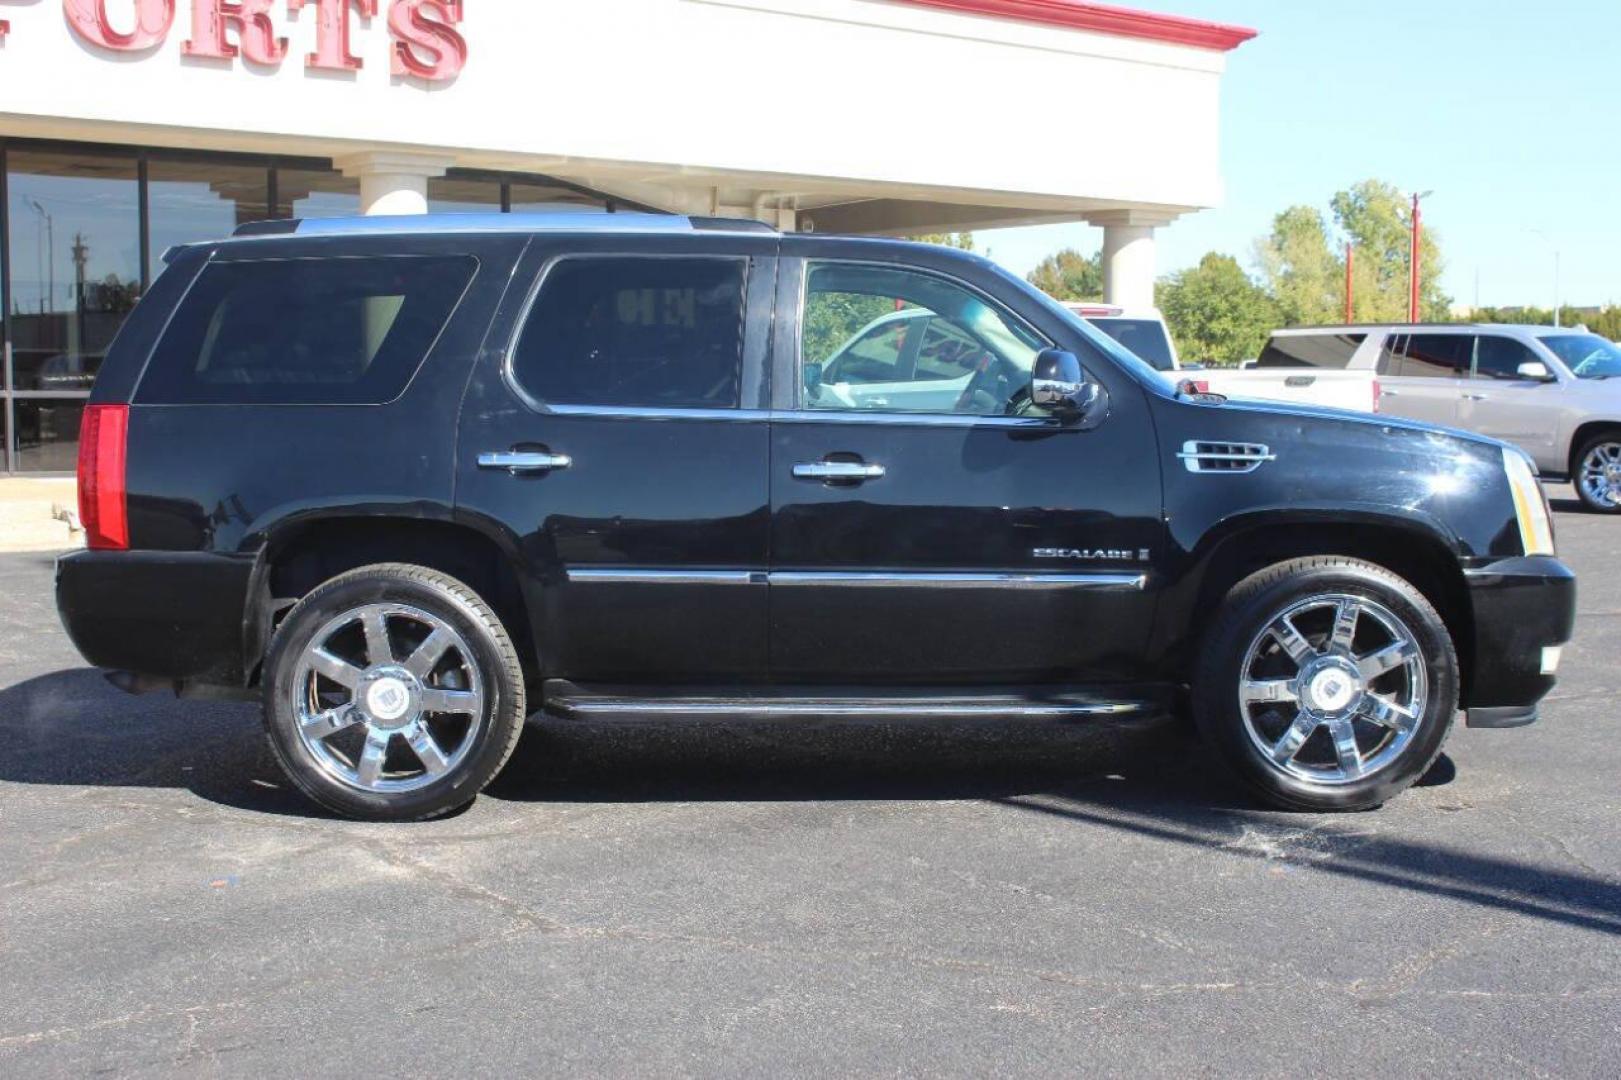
[{"x": 1149, "y": 779}]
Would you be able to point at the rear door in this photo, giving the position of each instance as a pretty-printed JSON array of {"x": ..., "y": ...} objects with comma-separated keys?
[
  {"x": 959, "y": 540},
  {"x": 1500, "y": 402},
  {"x": 1426, "y": 373},
  {"x": 614, "y": 433}
]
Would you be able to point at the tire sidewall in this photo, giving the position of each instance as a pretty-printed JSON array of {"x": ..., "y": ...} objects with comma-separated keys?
[
  {"x": 1222, "y": 721},
  {"x": 462, "y": 783}
]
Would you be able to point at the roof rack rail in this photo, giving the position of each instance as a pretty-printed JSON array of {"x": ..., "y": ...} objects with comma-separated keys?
[{"x": 552, "y": 221}]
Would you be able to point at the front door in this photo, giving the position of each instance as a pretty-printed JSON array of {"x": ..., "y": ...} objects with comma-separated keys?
[
  {"x": 927, "y": 527},
  {"x": 615, "y": 435},
  {"x": 1500, "y": 402}
]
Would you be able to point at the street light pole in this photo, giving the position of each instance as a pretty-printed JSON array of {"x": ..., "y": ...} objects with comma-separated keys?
[
  {"x": 1417, "y": 272},
  {"x": 1540, "y": 235},
  {"x": 50, "y": 247}
]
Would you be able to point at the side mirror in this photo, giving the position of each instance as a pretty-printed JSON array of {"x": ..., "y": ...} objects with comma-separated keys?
[
  {"x": 1535, "y": 370},
  {"x": 1058, "y": 385}
]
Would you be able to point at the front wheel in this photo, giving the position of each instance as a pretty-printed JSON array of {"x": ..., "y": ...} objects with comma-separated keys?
[
  {"x": 1598, "y": 474},
  {"x": 1327, "y": 683},
  {"x": 392, "y": 693}
]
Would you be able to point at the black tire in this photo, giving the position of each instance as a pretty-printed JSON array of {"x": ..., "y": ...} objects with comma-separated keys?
[
  {"x": 490, "y": 737},
  {"x": 1594, "y": 505},
  {"x": 1244, "y": 617}
]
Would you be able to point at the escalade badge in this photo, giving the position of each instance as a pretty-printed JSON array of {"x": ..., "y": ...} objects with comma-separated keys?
[{"x": 1093, "y": 554}]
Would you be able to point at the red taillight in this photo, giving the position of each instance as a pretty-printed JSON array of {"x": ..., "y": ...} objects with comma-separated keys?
[
  {"x": 1378, "y": 395},
  {"x": 103, "y": 510}
]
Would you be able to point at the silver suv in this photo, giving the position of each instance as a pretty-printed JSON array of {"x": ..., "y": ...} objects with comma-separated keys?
[{"x": 1554, "y": 393}]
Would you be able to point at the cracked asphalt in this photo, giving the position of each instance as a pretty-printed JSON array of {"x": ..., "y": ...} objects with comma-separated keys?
[{"x": 740, "y": 899}]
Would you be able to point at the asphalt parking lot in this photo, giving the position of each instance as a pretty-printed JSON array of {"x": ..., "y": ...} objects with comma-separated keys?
[{"x": 746, "y": 899}]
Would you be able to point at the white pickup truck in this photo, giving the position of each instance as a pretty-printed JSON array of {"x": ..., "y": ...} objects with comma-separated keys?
[{"x": 1301, "y": 367}]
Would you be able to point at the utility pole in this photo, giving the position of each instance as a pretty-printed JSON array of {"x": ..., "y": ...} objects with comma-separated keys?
[
  {"x": 1416, "y": 259},
  {"x": 1350, "y": 287}
]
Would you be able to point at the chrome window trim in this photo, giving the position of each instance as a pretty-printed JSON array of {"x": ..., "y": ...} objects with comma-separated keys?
[
  {"x": 628, "y": 412},
  {"x": 798, "y": 358},
  {"x": 638, "y": 576},
  {"x": 521, "y": 324},
  {"x": 918, "y": 419},
  {"x": 1102, "y": 580}
]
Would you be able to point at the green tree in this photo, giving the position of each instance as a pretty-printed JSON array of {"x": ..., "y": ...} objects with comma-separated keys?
[
  {"x": 1304, "y": 277},
  {"x": 960, "y": 241},
  {"x": 1215, "y": 312},
  {"x": 1378, "y": 220},
  {"x": 1069, "y": 275}
]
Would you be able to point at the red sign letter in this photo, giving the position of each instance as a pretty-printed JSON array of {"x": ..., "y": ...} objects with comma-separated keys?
[
  {"x": 332, "y": 32},
  {"x": 88, "y": 18},
  {"x": 210, "y": 19},
  {"x": 425, "y": 43}
]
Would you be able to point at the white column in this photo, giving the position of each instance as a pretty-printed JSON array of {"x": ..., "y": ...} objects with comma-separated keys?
[
  {"x": 393, "y": 183},
  {"x": 1129, "y": 258}
]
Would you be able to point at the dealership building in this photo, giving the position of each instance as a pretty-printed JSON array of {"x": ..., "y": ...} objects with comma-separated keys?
[{"x": 129, "y": 126}]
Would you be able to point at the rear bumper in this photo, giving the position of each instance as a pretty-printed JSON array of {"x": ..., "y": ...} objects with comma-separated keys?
[
  {"x": 167, "y": 615},
  {"x": 1522, "y": 608}
]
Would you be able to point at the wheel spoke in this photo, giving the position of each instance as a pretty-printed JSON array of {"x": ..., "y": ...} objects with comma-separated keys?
[
  {"x": 1345, "y": 748},
  {"x": 1387, "y": 713},
  {"x": 435, "y": 700},
  {"x": 427, "y": 656},
  {"x": 1384, "y": 660},
  {"x": 1298, "y": 648},
  {"x": 339, "y": 671},
  {"x": 378, "y": 650},
  {"x": 1293, "y": 739},
  {"x": 1345, "y": 617},
  {"x": 426, "y": 748},
  {"x": 1260, "y": 690},
  {"x": 327, "y": 724},
  {"x": 372, "y": 758}
]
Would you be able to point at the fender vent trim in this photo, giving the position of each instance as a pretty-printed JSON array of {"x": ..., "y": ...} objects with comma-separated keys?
[{"x": 1224, "y": 457}]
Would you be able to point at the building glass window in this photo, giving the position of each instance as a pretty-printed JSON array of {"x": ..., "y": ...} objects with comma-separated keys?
[
  {"x": 315, "y": 193},
  {"x": 74, "y": 262},
  {"x": 194, "y": 200},
  {"x": 454, "y": 195},
  {"x": 47, "y": 434}
]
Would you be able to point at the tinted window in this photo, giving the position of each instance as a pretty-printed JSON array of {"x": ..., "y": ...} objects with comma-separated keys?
[
  {"x": 636, "y": 333},
  {"x": 1310, "y": 350},
  {"x": 1145, "y": 338},
  {"x": 1500, "y": 357},
  {"x": 305, "y": 331},
  {"x": 1437, "y": 356},
  {"x": 895, "y": 340}
]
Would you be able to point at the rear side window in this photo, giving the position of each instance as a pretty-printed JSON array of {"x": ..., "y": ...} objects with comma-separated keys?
[
  {"x": 350, "y": 331},
  {"x": 629, "y": 332},
  {"x": 1145, "y": 338},
  {"x": 1437, "y": 356},
  {"x": 1310, "y": 350}
]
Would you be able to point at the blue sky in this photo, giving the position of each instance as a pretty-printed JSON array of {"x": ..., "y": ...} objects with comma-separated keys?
[{"x": 1510, "y": 112}]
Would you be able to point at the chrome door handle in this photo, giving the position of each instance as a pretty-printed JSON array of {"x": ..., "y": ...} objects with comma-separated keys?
[
  {"x": 838, "y": 470},
  {"x": 1389, "y": 393},
  {"x": 519, "y": 463},
  {"x": 1474, "y": 397}
]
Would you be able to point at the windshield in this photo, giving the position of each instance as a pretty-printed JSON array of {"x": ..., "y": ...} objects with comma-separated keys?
[
  {"x": 1144, "y": 337},
  {"x": 1588, "y": 356}
]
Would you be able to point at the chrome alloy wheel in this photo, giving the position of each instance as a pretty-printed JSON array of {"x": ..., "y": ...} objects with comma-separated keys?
[
  {"x": 389, "y": 698},
  {"x": 1333, "y": 689},
  {"x": 1600, "y": 474}
]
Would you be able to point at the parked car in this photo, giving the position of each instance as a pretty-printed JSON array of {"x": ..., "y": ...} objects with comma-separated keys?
[
  {"x": 1552, "y": 392},
  {"x": 1146, "y": 334},
  {"x": 410, "y": 480}
]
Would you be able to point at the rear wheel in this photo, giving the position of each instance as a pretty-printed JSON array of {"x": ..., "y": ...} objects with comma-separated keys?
[
  {"x": 1598, "y": 473},
  {"x": 392, "y": 693},
  {"x": 1328, "y": 683}
]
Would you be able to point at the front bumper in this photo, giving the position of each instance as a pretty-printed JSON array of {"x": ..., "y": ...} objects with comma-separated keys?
[
  {"x": 166, "y": 615},
  {"x": 1522, "y": 607}
]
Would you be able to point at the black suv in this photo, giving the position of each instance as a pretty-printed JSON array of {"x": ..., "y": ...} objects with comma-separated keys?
[{"x": 411, "y": 479}]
